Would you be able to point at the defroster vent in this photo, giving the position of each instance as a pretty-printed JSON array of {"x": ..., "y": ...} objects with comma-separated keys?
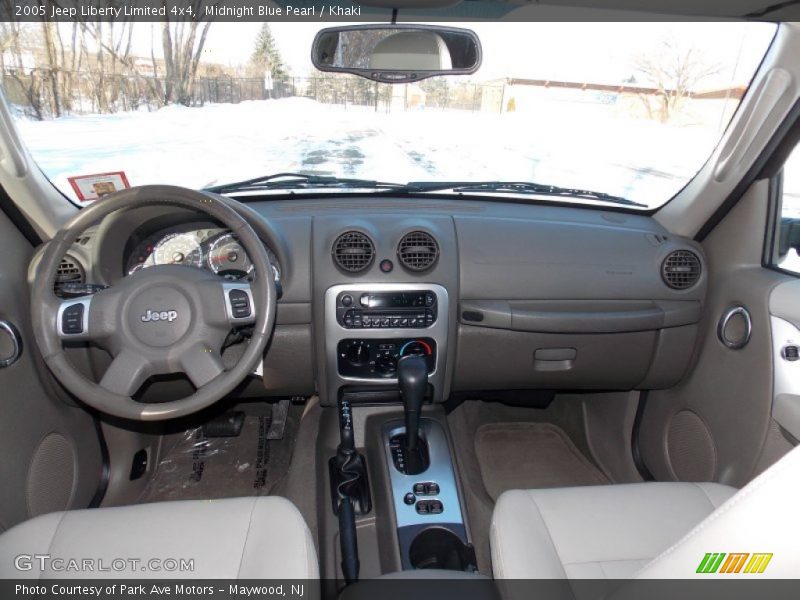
[
  {"x": 353, "y": 251},
  {"x": 681, "y": 269}
]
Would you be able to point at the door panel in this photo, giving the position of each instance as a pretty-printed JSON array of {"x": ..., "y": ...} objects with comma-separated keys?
[
  {"x": 715, "y": 424},
  {"x": 784, "y": 307},
  {"x": 51, "y": 457}
]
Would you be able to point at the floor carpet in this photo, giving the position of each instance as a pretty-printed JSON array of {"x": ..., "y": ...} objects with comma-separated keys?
[
  {"x": 200, "y": 467},
  {"x": 529, "y": 456}
]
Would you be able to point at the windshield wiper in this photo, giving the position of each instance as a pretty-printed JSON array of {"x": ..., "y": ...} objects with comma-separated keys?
[
  {"x": 299, "y": 181},
  {"x": 305, "y": 181},
  {"x": 515, "y": 187}
]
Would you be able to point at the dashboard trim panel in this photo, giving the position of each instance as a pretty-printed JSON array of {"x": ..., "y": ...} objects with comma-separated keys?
[{"x": 334, "y": 332}]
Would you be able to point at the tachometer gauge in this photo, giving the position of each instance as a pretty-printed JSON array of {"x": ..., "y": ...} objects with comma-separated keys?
[
  {"x": 227, "y": 257},
  {"x": 178, "y": 249}
]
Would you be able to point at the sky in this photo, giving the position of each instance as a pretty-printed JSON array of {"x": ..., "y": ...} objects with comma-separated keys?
[
  {"x": 573, "y": 51},
  {"x": 559, "y": 51}
]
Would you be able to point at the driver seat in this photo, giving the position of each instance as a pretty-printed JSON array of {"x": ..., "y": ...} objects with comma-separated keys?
[{"x": 263, "y": 537}]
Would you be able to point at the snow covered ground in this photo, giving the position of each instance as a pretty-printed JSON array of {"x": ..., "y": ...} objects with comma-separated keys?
[{"x": 562, "y": 144}]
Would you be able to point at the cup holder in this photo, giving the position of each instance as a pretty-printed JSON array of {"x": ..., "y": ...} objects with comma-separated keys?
[{"x": 440, "y": 548}]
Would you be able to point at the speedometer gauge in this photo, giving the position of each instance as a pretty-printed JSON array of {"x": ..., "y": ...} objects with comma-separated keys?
[
  {"x": 227, "y": 257},
  {"x": 179, "y": 249}
]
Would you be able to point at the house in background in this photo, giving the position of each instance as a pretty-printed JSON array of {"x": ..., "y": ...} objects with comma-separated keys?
[{"x": 527, "y": 95}]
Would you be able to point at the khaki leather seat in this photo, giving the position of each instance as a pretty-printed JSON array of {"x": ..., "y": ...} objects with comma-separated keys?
[
  {"x": 244, "y": 538},
  {"x": 647, "y": 530}
]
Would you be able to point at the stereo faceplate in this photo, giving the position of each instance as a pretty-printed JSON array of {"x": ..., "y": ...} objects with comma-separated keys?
[{"x": 404, "y": 308}]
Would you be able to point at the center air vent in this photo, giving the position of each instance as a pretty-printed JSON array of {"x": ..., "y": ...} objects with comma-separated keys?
[
  {"x": 681, "y": 269},
  {"x": 417, "y": 251},
  {"x": 353, "y": 251},
  {"x": 69, "y": 271}
]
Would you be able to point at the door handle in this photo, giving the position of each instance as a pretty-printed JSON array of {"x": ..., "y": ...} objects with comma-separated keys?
[{"x": 722, "y": 326}]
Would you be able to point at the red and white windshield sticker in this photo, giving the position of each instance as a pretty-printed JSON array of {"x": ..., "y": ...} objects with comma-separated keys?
[{"x": 92, "y": 187}]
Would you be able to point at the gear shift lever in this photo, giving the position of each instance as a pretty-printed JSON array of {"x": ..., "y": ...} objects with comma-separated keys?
[{"x": 412, "y": 375}]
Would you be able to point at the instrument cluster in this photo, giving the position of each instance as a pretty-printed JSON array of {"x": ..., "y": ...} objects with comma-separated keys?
[{"x": 213, "y": 249}]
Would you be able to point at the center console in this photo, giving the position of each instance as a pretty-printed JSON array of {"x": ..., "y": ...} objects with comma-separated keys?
[
  {"x": 386, "y": 343},
  {"x": 430, "y": 522}
]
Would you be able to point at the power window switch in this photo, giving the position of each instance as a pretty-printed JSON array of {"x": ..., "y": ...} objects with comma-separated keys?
[
  {"x": 791, "y": 353},
  {"x": 430, "y": 507}
]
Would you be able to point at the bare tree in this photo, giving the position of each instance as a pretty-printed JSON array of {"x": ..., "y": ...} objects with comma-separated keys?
[
  {"x": 675, "y": 71},
  {"x": 182, "y": 49},
  {"x": 48, "y": 35},
  {"x": 27, "y": 81}
]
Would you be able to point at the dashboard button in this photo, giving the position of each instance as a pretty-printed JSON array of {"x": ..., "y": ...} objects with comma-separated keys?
[{"x": 347, "y": 300}]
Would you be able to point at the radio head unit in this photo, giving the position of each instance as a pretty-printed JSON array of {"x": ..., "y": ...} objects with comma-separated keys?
[{"x": 375, "y": 310}]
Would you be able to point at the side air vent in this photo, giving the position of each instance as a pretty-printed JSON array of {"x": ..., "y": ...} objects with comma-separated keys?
[
  {"x": 418, "y": 251},
  {"x": 681, "y": 269},
  {"x": 353, "y": 251},
  {"x": 69, "y": 271}
]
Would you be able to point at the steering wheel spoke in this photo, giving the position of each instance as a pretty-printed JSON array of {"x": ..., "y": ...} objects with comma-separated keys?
[
  {"x": 88, "y": 318},
  {"x": 201, "y": 364},
  {"x": 240, "y": 309},
  {"x": 126, "y": 373},
  {"x": 72, "y": 319}
]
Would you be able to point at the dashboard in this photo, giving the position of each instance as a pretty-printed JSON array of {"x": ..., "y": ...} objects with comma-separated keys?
[
  {"x": 210, "y": 248},
  {"x": 498, "y": 295}
]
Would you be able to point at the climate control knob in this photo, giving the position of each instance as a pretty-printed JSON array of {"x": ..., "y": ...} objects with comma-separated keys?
[{"x": 358, "y": 354}]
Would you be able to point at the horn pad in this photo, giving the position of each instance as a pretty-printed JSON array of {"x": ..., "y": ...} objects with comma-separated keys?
[{"x": 159, "y": 316}]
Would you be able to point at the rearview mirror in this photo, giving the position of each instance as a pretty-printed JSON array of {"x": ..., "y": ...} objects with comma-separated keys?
[{"x": 397, "y": 53}]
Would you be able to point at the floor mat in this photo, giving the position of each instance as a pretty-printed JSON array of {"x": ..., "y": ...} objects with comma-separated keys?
[
  {"x": 529, "y": 456},
  {"x": 201, "y": 468}
]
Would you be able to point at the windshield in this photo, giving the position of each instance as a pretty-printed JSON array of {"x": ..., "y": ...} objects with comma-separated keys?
[{"x": 629, "y": 110}]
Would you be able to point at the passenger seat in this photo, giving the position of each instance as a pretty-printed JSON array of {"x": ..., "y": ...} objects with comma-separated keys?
[{"x": 648, "y": 530}]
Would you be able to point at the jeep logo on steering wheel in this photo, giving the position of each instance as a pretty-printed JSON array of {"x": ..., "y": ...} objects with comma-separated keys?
[{"x": 164, "y": 315}]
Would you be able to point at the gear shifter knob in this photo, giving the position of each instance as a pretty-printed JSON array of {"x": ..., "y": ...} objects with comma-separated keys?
[{"x": 412, "y": 375}]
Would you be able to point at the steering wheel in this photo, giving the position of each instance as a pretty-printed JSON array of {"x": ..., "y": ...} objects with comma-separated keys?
[{"x": 160, "y": 320}]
